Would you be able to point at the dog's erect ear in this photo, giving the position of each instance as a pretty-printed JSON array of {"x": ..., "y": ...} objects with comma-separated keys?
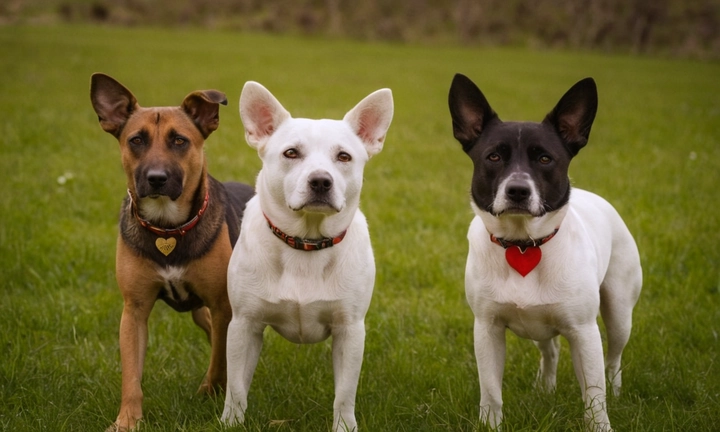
[
  {"x": 261, "y": 113},
  {"x": 202, "y": 107},
  {"x": 573, "y": 116},
  {"x": 371, "y": 118},
  {"x": 112, "y": 102},
  {"x": 470, "y": 111}
]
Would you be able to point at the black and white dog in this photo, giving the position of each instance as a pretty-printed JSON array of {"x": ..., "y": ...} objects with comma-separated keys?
[{"x": 544, "y": 257}]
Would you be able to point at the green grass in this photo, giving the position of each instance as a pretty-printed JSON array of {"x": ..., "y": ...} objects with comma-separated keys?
[{"x": 654, "y": 153}]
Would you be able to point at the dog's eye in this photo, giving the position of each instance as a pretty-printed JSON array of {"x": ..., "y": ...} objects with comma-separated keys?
[
  {"x": 494, "y": 157},
  {"x": 545, "y": 159},
  {"x": 291, "y": 153},
  {"x": 136, "y": 141},
  {"x": 180, "y": 141},
  {"x": 344, "y": 157}
]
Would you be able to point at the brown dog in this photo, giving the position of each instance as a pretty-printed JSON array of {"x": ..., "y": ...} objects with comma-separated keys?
[{"x": 177, "y": 226}]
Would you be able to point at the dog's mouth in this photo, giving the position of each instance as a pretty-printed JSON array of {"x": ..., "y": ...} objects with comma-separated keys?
[
  {"x": 157, "y": 197},
  {"x": 154, "y": 183},
  {"x": 517, "y": 211},
  {"x": 318, "y": 206},
  {"x": 172, "y": 195}
]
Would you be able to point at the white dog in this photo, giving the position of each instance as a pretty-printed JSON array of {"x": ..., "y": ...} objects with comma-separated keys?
[
  {"x": 544, "y": 257},
  {"x": 303, "y": 263}
]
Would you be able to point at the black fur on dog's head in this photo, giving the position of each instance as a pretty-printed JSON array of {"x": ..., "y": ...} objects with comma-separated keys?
[{"x": 521, "y": 167}]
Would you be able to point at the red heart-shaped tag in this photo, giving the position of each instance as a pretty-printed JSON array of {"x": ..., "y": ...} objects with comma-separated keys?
[{"x": 523, "y": 262}]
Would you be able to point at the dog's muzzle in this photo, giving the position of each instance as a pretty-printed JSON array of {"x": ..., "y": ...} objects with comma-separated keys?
[
  {"x": 155, "y": 182},
  {"x": 517, "y": 195},
  {"x": 320, "y": 197}
]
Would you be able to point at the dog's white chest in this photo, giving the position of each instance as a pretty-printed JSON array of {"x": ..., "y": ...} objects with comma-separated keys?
[
  {"x": 301, "y": 322},
  {"x": 311, "y": 294},
  {"x": 302, "y": 294}
]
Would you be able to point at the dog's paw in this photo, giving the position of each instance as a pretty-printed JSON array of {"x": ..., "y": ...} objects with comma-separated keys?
[
  {"x": 605, "y": 427},
  {"x": 232, "y": 416},
  {"x": 118, "y": 427},
  {"x": 592, "y": 425},
  {"x": 345, "y": 424},
  {"x": 491, "y": 418}
]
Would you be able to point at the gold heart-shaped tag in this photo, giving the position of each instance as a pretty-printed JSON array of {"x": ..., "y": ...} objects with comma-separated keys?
[{"x": 165, "y": 245}]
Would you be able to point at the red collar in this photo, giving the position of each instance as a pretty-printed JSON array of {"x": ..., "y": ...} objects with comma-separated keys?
[
  {"x": 523, "y": 244},
  {"x": 304, "y": 244},
  {"x": 181, "y": 230}
]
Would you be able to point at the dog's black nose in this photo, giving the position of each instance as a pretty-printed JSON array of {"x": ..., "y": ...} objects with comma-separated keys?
[
  {"x": 517, "y": 191},
  {"x": 157, "y": 178},
  {"x": 320, "y": 181}
]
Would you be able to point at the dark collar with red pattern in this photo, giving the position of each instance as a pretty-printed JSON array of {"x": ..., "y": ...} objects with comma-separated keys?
[{"x": 304, "y": 244}]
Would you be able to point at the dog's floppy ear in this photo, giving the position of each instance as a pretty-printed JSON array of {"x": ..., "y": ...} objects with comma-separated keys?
[
  {"x": 202, "y": 107},
  {"x": 574, "y": 114},
  {"x": 112, "y": 102},
  {"x": 469, "y": 109},
  {"x": 260, "y": 112},
  {"x": 370, "y": 119}
]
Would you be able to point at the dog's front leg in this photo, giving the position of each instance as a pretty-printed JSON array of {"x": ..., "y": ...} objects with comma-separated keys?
[
  {"x": 490, "y": 355},
  {"x": 587, "y": 355},
  {"x": 133, "y": 345},
  {"x": 348, "y": 345},
  {"x": 243, "y": 351}
]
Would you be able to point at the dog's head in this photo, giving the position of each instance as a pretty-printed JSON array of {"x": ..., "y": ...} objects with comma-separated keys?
[
  {"x": 313, "y": 166},
  {"x": 161, "y": 147},
  {"x": 521, "y": 168}
]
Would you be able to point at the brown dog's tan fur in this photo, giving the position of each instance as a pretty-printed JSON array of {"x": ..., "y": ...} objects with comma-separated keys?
[{"x": 168, "y": 142}]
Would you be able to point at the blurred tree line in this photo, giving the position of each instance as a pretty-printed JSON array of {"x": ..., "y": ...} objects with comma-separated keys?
[{"x": 687, "y": 28}]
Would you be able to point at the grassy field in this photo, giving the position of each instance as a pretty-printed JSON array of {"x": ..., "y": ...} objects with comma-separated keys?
[{"x": 654, "y": 153}]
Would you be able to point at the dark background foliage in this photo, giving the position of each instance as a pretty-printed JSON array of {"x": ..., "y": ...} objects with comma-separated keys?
[{"x": 684, "y": 28}]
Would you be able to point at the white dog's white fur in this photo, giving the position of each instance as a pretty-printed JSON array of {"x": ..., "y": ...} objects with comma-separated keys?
[
  {"x": 591, "y": 264},
  {"x": 306, "y": 296}
]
